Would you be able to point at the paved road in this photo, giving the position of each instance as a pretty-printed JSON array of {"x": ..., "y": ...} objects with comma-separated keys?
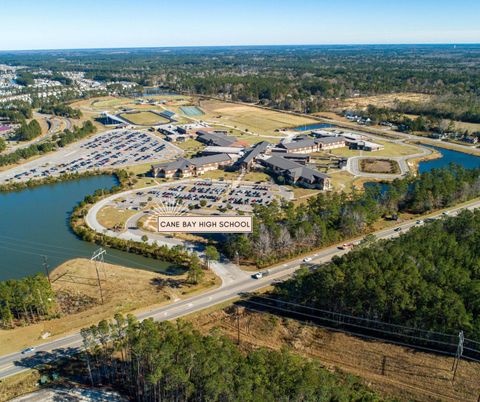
[
  {"x": 54, "y": 123},
  {"x": 354, "y": 168},
  {"x": 16, "y": 362}
]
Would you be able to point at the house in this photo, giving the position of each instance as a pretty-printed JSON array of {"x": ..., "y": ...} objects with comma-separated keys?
[
  {"x": 191, "y": 167},
  {"x": 295, "y": 173},
  {"x": 470, "y": 140}
]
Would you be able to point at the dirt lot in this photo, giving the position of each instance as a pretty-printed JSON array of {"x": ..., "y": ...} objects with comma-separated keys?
[
  {"x": 392, "y": 370},
  {"x": 379, "y": 166},
  {"x": 124, "y": 290}
]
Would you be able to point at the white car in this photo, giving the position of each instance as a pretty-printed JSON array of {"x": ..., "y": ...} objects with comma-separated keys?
[
  {"x": 28, "y": 350},
  {"x": 258, "y": 275},
  {"x": 419, "y": 222},
  {"x": 307, "y": 259}
]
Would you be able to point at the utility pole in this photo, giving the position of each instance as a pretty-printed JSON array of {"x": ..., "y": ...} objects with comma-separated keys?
[
  {"x": 98, "y": 260},
  {"x": 46, "y": 267},
  {"x": 458, "y": 354},
  {"x": 238, "y": 326}
]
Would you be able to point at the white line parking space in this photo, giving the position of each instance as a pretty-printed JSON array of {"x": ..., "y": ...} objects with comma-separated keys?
[{"x": 111, "y": 149}]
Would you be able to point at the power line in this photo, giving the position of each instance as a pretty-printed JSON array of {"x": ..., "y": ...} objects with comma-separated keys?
[
  {"x": 309, "y": 323},
  {"x": 452, "y": 345},
  {"x": 353, "y": 317}
]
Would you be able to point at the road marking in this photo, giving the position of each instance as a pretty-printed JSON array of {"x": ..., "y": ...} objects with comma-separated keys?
[{"x": 71, "y": 153}]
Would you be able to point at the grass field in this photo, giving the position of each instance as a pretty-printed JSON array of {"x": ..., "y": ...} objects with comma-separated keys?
[
  {"x": 390, "y": 149},
  {"x": 249, "y": 118},
  {"x": 125, "y": 290},
  {"x": 144, "y": 118},
  {"x": 111, "y": 217},
  {"x": 256, "y": 176}
]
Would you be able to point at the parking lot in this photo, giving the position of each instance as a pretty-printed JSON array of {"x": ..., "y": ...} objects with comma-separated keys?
[
  {"x": 200, "y": 194},
  {"x": 111, "y": 149}
]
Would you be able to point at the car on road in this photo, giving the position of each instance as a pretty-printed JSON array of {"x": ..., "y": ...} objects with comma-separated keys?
[
  {"x": 446, "y": 213},
  {"x": 258, "y": 275},
  {"x": 398, "y": 230},
  {"x": 307, "y": 259},
  {"x": 346, "y": 246},
  {"x": 419, "y": 222},
  {"x": 28, "y": 350}
]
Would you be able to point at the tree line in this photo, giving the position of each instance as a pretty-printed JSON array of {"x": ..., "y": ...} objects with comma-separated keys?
[
  {"x": 28, "y": 131},
  {"x": 25, "y": 301},
  {"x": 163, "y": 361},
  {"x": 59, "y": 109},
  {"x": 428, "y": 278},
  {"x": 60, "y": 140},
  {"x": 295, "y": 78},
  {"x": 284, "y": 230}
]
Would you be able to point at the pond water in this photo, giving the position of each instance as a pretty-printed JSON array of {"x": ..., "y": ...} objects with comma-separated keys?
[
  {"x": 448, "y": 156},
  {"x": 315, "y": 126},
  {"x": 34, "y": 222}
]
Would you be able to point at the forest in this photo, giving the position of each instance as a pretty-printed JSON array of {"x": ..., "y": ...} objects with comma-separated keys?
[
  {"x": 284, "y": 230},
  {"x": 299, "y": 78},
  {"x": 428, "y": 278},
  {"x": 164, "y": 361},
  {"x": 25, "y": 301}
]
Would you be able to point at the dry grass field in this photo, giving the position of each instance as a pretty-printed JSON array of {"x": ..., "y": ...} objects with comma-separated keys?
[
  {"x": 125, "y": 290},
  {"x": 394, "y": 371},
  {"x": 249, "y": 118},
  {"x": 111, "y": 217},
  {"x": 385, "y": 100},
  {"x": 379, "y": 166}
]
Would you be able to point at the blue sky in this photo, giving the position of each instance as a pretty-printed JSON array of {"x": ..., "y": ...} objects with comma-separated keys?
[{"x": 48, "y": 24}]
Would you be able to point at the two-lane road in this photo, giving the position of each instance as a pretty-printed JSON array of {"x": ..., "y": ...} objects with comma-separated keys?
[{"x": 12, "y": 364}]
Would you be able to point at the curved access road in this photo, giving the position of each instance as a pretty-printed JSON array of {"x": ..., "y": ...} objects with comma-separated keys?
[
  {"x": 353, "y": 164},
  {"x": 68, "y": 345}
]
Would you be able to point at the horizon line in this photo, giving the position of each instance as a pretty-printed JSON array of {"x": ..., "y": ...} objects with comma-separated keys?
[{"x": 244, "y": 46}]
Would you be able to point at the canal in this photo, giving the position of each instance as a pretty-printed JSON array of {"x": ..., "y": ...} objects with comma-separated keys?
[{"x": 34, "y": 223}]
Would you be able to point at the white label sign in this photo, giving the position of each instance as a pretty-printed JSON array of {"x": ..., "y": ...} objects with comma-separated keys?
[{"x": 205, "y": 224}]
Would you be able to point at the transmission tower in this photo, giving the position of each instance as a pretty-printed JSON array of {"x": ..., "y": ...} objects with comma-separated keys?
[
  {"x": 98, "y": 261},
  {"x": 458, "y": 354}
]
